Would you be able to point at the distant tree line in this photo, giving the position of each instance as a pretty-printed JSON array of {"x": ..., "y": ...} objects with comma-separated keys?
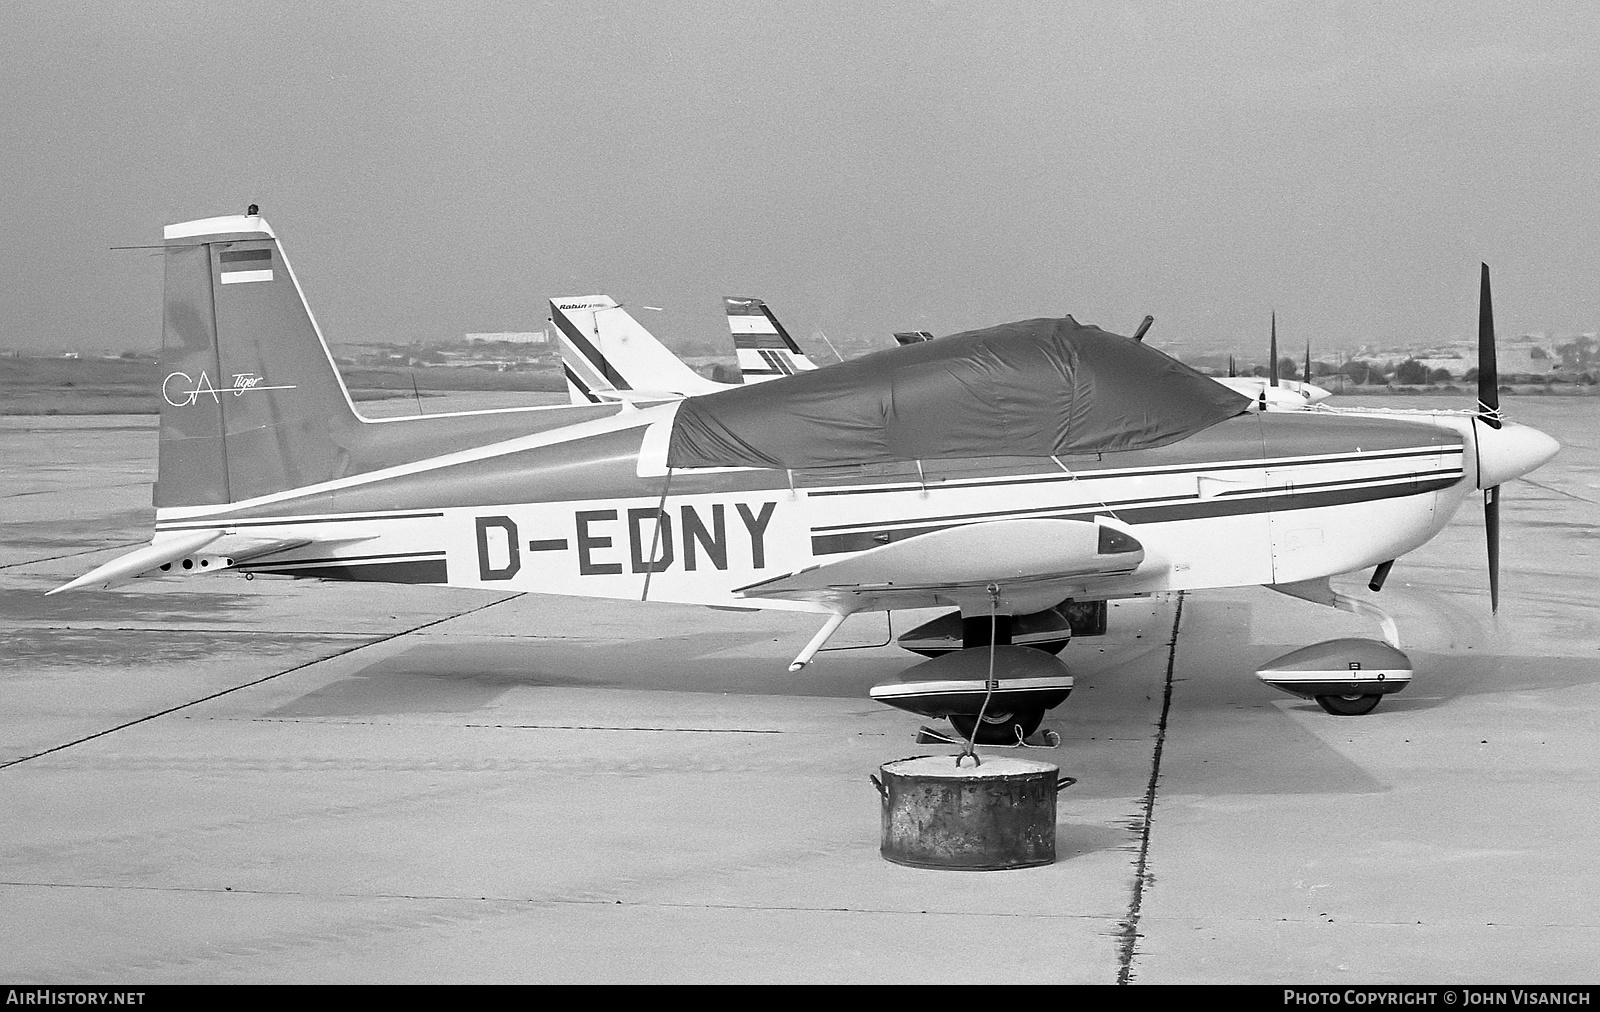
[{"x": 1580, "y": 363}]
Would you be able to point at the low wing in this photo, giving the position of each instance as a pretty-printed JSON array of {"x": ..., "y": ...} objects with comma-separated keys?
[{"x": 1023, "y": 559}]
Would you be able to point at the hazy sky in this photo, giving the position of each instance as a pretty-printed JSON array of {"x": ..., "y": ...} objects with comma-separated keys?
[{"x": 440, "y": 168}]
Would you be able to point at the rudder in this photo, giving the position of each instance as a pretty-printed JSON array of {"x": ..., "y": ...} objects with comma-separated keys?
[
  {"x": 765, "y": 349},
  {"x": 251, "y": 402}
]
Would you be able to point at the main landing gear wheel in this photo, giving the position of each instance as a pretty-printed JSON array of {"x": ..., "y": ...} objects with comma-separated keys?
[
  {"x": 1349, "y": 706},
  {"x": 998, "y": 728}
]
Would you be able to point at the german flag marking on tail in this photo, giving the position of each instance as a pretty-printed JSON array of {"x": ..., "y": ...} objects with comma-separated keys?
[{"x": 243, "y": 266}]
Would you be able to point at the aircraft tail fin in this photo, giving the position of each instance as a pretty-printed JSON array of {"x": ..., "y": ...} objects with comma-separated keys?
[
  {"x": 251, "y": 401},
  {"x": 591, "y": 379},
  {"x": 608, "y": 355},
  {"x": 765, "y": 349}
]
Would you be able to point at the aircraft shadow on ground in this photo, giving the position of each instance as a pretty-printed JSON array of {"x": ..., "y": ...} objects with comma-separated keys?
[
  {"x": 1080, "y": 839},
  {"x": 461, "y": 677},
  {"x": 112, "y": 608},
  {"x": 124, "y": 650},
  {"x": 74, "y": 533}
]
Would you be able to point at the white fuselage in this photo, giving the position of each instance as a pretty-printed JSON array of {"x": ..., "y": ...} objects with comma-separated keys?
[{"x": 1233, "y": 508}]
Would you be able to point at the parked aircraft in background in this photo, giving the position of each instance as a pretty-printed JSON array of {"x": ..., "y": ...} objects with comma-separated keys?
[
  {"x": 997, "y": 473},
  {"x": 607, "y": 355},
  {"x": 765, "y": 349},
  {"x": 1273, "y": 390}
]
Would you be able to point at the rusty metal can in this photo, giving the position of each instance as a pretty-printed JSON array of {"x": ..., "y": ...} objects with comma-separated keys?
[{"x": 999, "y": 815}]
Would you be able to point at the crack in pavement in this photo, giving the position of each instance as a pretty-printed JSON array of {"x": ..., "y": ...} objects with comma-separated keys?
[
  {"x": 73, "y": 555},
  {"x": 1129, "y": 931},
  {"x": 258, "y": 681}
]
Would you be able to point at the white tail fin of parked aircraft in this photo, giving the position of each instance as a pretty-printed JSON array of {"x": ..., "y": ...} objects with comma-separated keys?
[
  {"x": 607, "y": 355},
  {"x": 765, "y": 349}
]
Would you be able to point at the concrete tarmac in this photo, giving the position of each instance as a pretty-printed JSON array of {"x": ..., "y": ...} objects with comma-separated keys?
[{"x": 220, "y": 780}]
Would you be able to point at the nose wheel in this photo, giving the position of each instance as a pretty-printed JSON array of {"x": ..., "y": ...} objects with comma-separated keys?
[
  {"x": 998, "y": 728},
  {"x": 1349, "y": 706}
]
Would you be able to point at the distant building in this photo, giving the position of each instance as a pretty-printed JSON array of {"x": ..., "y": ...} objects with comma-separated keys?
[{"x": 510, "y": 337}]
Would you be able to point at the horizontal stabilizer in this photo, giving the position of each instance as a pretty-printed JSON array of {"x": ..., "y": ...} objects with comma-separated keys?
[{"x": 152, "y": 556}]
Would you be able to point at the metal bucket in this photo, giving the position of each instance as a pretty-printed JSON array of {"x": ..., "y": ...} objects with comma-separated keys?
[{"x": 1001, "y": 814}]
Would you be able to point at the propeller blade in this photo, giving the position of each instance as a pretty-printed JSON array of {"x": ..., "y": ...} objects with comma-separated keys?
[
  {"x": 1488, "y": 375},
  {"x": 1308, "y": 363},
  {"x": 1233, "y": 370},
  {"x": 1273, "y": 375},
  {"x": 1491, "y": 527},
  {"x": 1144, "y": 325}
]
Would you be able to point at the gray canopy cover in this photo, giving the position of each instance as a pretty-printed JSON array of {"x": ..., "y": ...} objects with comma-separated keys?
[{"x": 1033, "y": 388}]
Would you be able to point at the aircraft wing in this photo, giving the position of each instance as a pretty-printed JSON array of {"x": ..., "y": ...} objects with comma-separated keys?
[{"x": 1033, "y": 557}]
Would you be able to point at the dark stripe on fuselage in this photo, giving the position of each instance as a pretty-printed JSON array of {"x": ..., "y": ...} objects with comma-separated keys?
[
  {"x": 590, "y": 352},
  {"x": 1138, "y": 472},
  {"x": 218, "y": 525},
  {"x": 1120, "y": 504},
  {"x": 1157, "y": 512},
  {"x": 341, "y": 559},
  {"x": 413, "y": 571}
]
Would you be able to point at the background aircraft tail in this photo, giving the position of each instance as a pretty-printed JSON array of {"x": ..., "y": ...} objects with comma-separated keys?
[
  {"x": 607, "y": 355},
  {"x": 765, "y": 349},
  {"x": 251, "y": 402},
  {"x": 591, "y": 378}
]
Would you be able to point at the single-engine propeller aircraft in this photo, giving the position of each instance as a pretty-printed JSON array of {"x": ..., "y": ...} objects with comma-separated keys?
[{"x": 997, "y": 472}]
